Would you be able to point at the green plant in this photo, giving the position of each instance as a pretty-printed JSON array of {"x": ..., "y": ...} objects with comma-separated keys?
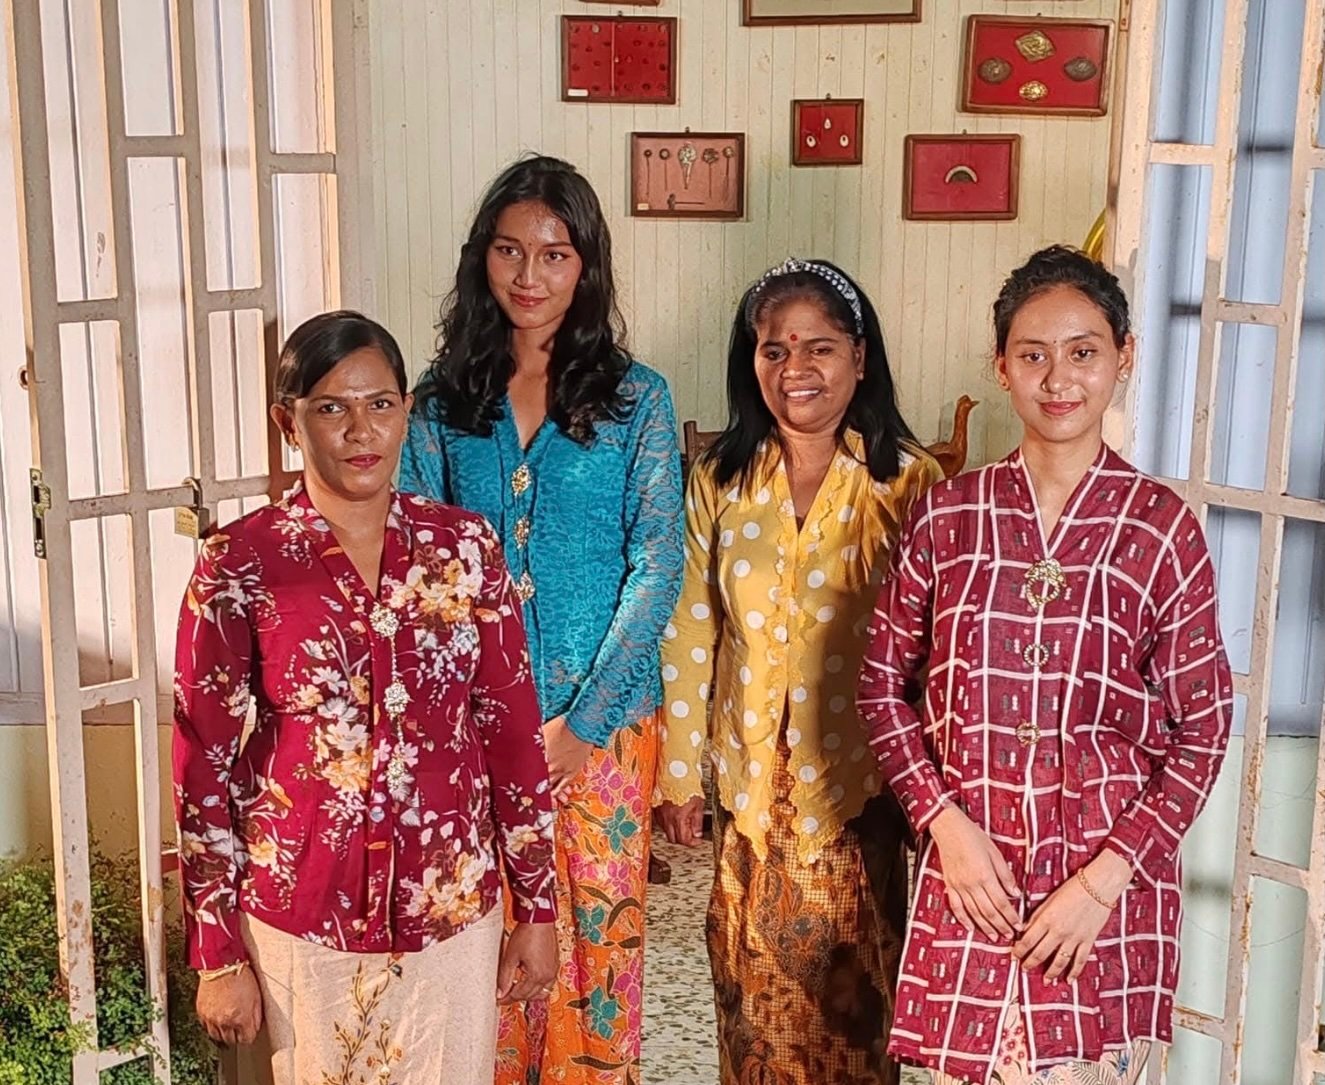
[{"x": 37, "y": 1042}]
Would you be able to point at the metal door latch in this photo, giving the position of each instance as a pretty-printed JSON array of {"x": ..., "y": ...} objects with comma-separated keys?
[{"x": 41, "y": 505}]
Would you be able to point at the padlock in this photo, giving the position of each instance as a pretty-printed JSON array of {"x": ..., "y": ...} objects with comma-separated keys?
[{"x": 193, "y": 521}]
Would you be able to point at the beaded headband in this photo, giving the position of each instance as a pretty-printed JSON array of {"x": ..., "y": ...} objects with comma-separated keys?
[{"x": 834, "y": 278}]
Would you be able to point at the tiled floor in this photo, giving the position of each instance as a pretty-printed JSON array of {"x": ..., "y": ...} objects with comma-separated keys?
[{"x": 679, "y": 1032}]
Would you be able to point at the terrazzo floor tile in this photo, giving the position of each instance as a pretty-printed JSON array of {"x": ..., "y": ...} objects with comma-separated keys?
[{"x": 680, "y": 1042}]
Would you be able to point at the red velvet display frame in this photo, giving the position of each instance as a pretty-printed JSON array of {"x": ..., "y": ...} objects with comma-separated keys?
[
  {"x": 618, "y": 58},
  {"x": 953, "y": 178},
  {"x": 998, "y": 76}
]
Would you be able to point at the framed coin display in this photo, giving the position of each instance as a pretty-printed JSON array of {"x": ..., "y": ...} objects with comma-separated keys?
[{"x": 1015, "y": 65}]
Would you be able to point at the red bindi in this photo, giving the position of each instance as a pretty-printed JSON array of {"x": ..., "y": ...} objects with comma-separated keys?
[{"x": 795, "y": 338}]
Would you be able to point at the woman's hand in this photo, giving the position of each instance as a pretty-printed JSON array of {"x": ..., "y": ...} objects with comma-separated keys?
[
  {"x": 979, "y": 881},
  {"x": 230, "y": 1007},
  {"x": 682, "y": 824},
  {"x": 527, "y": 971},
  {"x": 566, "y": 754},
  {"x": 1063, "y": 930}
]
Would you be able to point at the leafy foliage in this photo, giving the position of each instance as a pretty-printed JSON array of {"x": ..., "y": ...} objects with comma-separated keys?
[{"x": 37, "y": 1042}]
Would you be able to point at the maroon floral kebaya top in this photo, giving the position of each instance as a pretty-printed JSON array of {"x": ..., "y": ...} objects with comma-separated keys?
[
  {"x": 342, "y": 819},
  {"x": 1077, "y": 698}
]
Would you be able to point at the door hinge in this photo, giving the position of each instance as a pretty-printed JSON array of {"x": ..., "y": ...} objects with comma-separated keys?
[{"x": 41, "y": 505}]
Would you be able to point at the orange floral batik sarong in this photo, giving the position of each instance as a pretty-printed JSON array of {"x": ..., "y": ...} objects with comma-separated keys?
[{"x": 588, "y": 1032}]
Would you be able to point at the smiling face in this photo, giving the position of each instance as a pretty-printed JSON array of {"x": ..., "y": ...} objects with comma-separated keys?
[
  {"x": 1062, "y": 366},
  {"x": 350, "y": 426},
  {"x": 807, "y": 367},
  {"x": 533, "y": 269}
]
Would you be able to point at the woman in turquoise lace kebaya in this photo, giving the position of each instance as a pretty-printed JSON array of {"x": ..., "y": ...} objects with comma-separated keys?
[{"x": 534, "y": 415}]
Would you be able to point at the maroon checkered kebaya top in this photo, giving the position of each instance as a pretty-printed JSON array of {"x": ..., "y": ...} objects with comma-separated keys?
[{"x": 1078, "y": 697}]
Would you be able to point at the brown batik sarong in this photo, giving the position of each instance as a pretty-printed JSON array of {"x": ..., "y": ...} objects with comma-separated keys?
[{"x": 805, "y": 956}]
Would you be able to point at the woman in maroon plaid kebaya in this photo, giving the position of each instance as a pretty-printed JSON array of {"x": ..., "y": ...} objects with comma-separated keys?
[{"x": 1075, "y": 713}]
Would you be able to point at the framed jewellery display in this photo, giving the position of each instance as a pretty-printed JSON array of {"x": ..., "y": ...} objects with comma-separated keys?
[
  {"x": 687, "y": 175},
  {"x": 618, "y": 58},
  {"x": 827, "y": 131},
  {"x": 1018, "y": 65},
  {"x": 626, "y": 3},
  {"x": 805, "y": 12},
  {"x": 960, "y": 177}
]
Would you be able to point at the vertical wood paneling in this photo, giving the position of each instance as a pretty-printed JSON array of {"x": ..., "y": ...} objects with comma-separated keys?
[{"x": 462, "y": 86}]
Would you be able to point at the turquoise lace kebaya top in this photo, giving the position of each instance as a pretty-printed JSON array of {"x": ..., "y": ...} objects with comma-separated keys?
[{"x": 594, "y": 539}]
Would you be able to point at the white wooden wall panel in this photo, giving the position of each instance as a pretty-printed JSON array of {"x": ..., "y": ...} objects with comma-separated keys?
[{"x": 461, "y": 87}]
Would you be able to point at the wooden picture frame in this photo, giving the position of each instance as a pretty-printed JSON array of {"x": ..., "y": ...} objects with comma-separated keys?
[
  {"x": 821, "y": 12},
  {"x": 687, "y": 175},
  {"x": 961, "y": 178},
  {"x": 627, "y": 59},
  {"x": 626, "y": 3},
  {"x": 827, "y": 131},
  {"x": 1036, "y": 65}
]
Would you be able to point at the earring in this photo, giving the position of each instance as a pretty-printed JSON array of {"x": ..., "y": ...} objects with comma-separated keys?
[{"x": 1122, "y": 378}]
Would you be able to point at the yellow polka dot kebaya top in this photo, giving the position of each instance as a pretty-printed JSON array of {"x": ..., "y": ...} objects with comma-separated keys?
[{"x": 771, "y": 624}]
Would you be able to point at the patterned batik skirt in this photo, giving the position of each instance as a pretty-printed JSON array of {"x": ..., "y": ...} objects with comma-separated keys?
[
  {"x": 805, "y": 955},
  {"x": 337, "y": 1018},
  {"x": 588, "y": 1032},
  {"x": 1012, "y": 1066}
]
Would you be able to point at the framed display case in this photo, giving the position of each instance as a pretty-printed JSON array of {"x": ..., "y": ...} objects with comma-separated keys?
[
  {"x": 619, "y": 58},
  {"x": 690, "y": 175},
  {"x": 1015, "y": 65},
  {"x": 827, "y": 131},
  {"x": 956, "y": 177}
]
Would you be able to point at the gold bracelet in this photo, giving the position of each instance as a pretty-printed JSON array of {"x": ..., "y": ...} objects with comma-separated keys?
[
  {"x": 1090, "y": 891},
  {"x": 206, "y": 974}
]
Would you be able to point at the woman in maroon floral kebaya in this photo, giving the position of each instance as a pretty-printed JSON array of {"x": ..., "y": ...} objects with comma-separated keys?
[
  {"x": 340, "y": 863},
  {"x": 1075, "y": 714}
]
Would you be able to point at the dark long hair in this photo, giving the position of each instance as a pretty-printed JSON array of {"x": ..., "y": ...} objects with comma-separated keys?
[
  {"x": 466, "y": 381},
  {"x": 873, "y": 410}
]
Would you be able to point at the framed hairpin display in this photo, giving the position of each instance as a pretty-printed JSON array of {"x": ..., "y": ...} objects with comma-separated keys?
[
  {"x": 687, "y": 175},
  {"x": 1036, "y": 66},
  {"x": 954, "y": 178},
  {"x": 827, "y": 131},
  {"x": 803, "y": 12},
  {"x": 620, "y": 58}
]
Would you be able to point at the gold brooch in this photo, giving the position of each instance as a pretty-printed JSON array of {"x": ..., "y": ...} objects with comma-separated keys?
[
  {"x": 1035, "y": 46},
  {"x": 1034, "y": 91},
  {"x": 1036, "y": 655},
  {"x": 522, "y": 531},
  {"x": 524, "y": 587},
  {"x": 522, "y": 479},
  {"x": 1028, "y": 733},
  {"x": 1044, "y": 583}
]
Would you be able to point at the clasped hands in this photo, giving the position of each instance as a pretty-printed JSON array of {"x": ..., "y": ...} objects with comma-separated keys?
[{"x": 981, "y": 893}]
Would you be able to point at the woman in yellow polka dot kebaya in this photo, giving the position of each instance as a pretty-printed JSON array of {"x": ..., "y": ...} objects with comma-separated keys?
[{"x": 789, "y": 521}]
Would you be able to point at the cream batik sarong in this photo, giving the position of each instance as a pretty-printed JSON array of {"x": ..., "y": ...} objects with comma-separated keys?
[{"x": 336, "y": 1018}]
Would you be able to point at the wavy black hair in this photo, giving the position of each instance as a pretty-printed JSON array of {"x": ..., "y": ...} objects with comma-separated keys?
[
  {"x": 873, "y": 410},
  {"x": 1061, "y": 265},
  {"x": 321, "y": 343},
  {"x": 467, "y": 379}
]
